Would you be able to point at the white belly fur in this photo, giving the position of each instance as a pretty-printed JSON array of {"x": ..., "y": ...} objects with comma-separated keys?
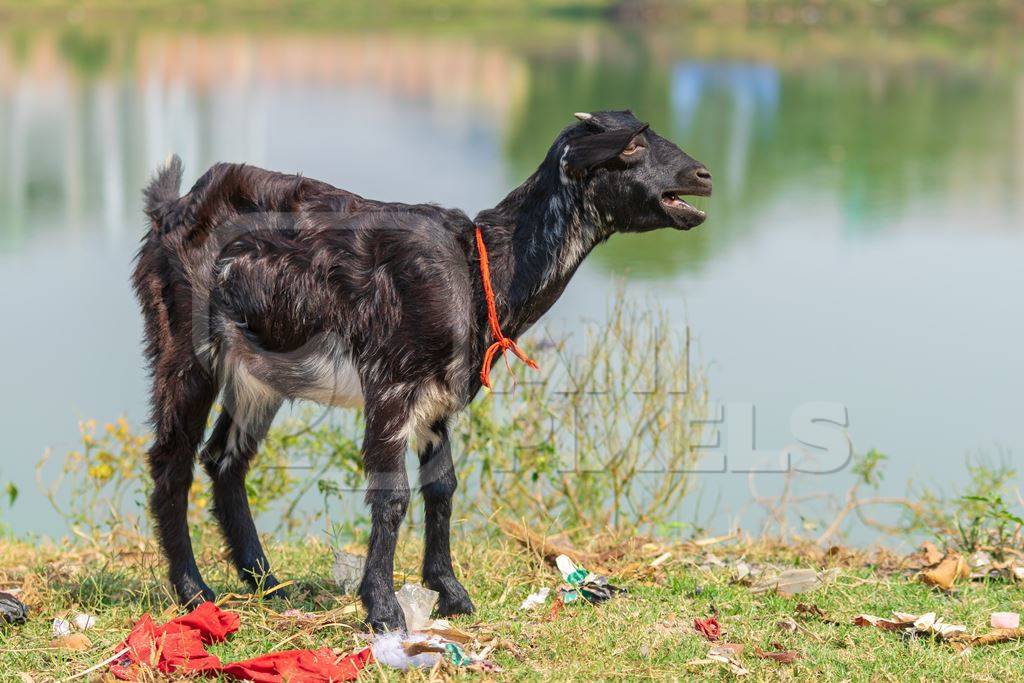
[{"x": 337, "y": 384}]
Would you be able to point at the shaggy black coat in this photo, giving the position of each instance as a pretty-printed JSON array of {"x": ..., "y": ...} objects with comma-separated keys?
[{"x": 261, "y": 287}]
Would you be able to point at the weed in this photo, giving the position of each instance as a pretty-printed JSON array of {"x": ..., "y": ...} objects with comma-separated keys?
[{"x": 992, "y": 525}]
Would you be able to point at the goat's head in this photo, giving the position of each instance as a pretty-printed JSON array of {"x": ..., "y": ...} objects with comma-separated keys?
[{"x": 635, "y": 178}]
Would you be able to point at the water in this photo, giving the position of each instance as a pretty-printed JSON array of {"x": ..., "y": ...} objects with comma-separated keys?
[{"x": 864, "y": 245}]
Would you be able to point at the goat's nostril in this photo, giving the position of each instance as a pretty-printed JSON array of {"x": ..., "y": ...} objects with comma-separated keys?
[{"x": 703, "y": 174}]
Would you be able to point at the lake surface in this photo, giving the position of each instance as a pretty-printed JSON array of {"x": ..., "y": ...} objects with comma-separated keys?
[{"x": 864, "y": 246}]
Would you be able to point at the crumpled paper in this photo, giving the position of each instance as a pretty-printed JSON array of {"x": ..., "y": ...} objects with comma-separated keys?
[
  {"x": 79, "y": 622},
  {"x": 536, "y": 599}
]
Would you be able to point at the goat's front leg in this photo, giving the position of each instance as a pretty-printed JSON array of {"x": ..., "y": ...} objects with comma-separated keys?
[
  {"x": 438, "y": 483},
  {"x": 387, "y": 494}
]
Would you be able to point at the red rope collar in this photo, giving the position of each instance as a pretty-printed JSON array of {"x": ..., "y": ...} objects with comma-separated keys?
[{"x": 501, "y": 343}]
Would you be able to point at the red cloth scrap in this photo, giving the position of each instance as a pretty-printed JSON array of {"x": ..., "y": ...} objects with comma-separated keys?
[
  {"x": 300, "y": 666},
  {"x": 179, "y": 646}
]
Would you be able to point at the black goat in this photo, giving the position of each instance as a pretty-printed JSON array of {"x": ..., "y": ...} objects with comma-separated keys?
[{"x": 267, "y": 287}]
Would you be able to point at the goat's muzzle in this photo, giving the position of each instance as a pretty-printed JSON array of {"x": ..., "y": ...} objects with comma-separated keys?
[{"x": 693, "y": 182}]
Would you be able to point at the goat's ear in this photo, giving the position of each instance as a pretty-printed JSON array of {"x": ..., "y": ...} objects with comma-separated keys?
[{"x": 590, "y": 151}]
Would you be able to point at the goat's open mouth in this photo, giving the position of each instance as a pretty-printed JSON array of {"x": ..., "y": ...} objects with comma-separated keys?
[{"x": 675, "y": 205}]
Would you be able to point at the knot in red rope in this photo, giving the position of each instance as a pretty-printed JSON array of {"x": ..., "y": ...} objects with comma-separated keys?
[{"x": 501, "y": 343}]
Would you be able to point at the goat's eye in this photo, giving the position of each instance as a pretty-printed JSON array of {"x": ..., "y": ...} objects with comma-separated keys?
[{"x": 632, "y": 148}]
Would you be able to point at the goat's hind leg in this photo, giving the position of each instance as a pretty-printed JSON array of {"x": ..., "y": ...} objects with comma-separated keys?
[
  {"x": 438, "y": 483},
  {"x": 181, "y": 404},
  {"x": 226, "y": 458}
]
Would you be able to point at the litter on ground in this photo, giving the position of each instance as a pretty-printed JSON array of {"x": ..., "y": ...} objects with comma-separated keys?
[
  {"x": 1004, "y": 620},
  {"x": 393, "y": 649},
  {"x": 581, "y": 583},
  {"x": 12, "y": 610},
  {"x": 417, "y": 603},
  {"x": 347, "y": 570},
  {"x": 926, "y": 624},
  {"x": 795, "y": 581},
  {"x": 536, "y": 599},
  {"x": 79, "y": 622},
  {"x": 179, "y": 647}
]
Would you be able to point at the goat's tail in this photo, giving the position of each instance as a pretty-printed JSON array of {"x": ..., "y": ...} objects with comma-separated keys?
[
  {"x": 153, "y": 274},
  {"x": 163, "y": 190}
]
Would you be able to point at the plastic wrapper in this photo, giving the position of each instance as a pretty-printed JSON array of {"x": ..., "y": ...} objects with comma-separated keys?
[
  {"x": 583, "y": 584},
  {"x": 417, "y": 603},
  {"x": 348, "y": 571},
  {"x": 12, "y": 610}
]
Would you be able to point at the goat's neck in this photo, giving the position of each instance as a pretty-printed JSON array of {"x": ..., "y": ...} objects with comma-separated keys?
[{"x": 537, "y": 237}]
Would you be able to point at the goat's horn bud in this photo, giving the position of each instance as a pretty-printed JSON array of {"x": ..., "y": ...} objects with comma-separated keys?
[{"x": 583, "y": 116}]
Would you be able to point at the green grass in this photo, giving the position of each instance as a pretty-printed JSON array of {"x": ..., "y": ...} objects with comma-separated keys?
[{"x": 644, "y": 633}]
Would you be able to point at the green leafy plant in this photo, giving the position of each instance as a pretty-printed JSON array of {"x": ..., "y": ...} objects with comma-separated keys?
[
  {"x": 991, "y": 525},
  {"x": 10, "y": 491},
  {"x": 102, "y": 486},
  {"x": 869, "y": 467},
  {"x": 99, "y": 484},
  {"x": 604, "y": 438},
  {"x": 977, "y": 516}
]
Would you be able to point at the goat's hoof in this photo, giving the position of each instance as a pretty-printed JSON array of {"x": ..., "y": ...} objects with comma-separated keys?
[
  {"x": 192, "y": 592},
  {"x": 454, "y": 600},
  {"x": 386, "y": 618}
]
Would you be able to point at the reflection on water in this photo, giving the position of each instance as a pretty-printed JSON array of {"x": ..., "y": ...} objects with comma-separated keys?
[
  {"x": 85, "y": 120},
  {"x": 752, "y": 93},
  {"x": 863, "y": 246}
]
